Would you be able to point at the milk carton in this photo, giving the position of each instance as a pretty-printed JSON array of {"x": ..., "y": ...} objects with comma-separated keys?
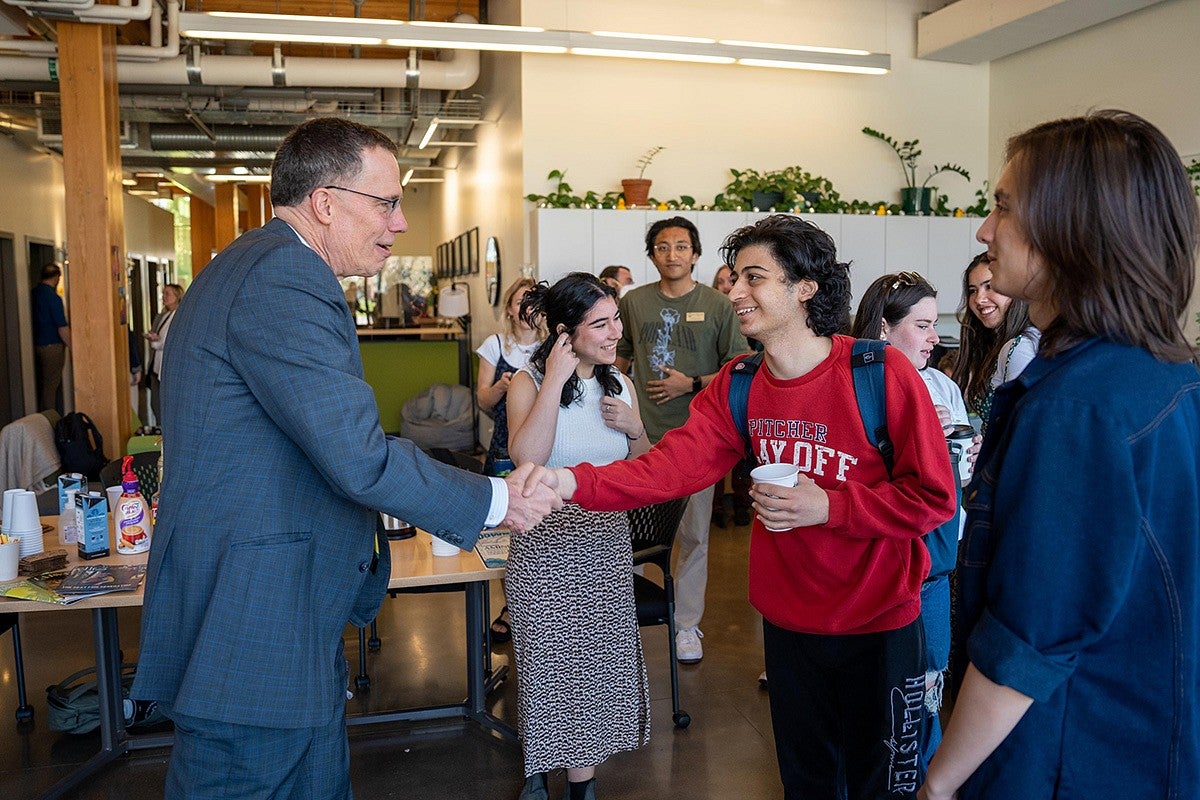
[
  {"x": 69, "y": 480},
  {"x": 93, "y": 525}
]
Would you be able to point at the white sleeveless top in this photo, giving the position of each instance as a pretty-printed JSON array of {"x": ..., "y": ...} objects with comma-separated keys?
[{"x": 581, "y": 434}]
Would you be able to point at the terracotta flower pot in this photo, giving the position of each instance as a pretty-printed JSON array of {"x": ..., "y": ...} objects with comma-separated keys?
[{"x": 637, "y": 191}]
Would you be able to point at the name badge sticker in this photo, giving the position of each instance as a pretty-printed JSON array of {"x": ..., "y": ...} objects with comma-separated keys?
[{"x": 695, "y": 316}]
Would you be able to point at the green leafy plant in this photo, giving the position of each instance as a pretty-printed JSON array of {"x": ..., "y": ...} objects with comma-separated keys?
[
  {"x": 646, "y": 159},
  {"x": 796, "y": 189},
  {"x": 562, "y": 196},
  {"x": 908, "y": 152},
  {"x": 1193, "y": 171},
  {"x": 980, "y": 207}
]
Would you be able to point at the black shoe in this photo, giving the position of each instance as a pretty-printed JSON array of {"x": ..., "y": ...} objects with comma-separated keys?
[
  {"x": 741, "y": 516},
  {"x": 719, "y": 518},
  {"x": 501, "y": 630}
]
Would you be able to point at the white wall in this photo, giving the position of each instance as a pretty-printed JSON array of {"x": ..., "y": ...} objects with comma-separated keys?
[
  {"x": 595, "y": 116},
  {"x": 1146, "y": 62},
  {"x": 486, "y": 188},
  {"x": 149, "y": 230}
]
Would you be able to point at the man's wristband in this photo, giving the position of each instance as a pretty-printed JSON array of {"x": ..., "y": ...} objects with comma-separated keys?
[
  {"x": 696, "y": 384},
  {"x": 635, "y": 438}
]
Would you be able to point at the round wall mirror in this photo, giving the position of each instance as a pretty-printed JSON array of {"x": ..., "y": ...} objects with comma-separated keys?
[{"x": 491, "y": 260}]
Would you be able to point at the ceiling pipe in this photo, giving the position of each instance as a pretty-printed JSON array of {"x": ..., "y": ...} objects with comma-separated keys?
[
  {"x": 458, "y": 72},
  {"x": 86, "y": 10},
  {"x": 155, "y": 51}
]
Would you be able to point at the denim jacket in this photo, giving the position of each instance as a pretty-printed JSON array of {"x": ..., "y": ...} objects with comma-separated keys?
[{"x": 1078, "y": 576}]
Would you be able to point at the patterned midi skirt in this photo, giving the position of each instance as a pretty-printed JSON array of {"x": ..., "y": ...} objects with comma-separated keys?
[{"x": 582, "y": 692}]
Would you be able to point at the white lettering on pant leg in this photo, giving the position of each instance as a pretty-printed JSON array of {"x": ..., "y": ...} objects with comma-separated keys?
[{"x": 904, "y": 745}]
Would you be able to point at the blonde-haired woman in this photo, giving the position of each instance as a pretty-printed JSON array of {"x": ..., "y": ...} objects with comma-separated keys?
[{"x": 500, "y": 356}]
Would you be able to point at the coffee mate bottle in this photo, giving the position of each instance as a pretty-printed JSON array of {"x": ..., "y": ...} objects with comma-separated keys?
[{"x": 133, "y": 515}]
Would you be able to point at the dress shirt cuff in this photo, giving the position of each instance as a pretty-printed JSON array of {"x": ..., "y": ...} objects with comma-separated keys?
[{"x": 499, "y": 508}]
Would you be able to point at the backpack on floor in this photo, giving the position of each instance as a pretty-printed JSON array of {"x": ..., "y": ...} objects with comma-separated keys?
[
  {"x": 80, "y": 445},
  {"x": 866, "y": 363},
  {"x": 73, "y": 706}
]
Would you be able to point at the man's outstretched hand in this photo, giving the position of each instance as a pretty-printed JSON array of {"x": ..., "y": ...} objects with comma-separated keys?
[{"x": 531, "y": 496}]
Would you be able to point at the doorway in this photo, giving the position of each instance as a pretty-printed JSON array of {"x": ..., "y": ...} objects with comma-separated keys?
[{"x": 41, "y": 253}]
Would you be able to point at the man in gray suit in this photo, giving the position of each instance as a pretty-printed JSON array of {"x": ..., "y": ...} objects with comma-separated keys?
[{"x": 275, "y": 464}]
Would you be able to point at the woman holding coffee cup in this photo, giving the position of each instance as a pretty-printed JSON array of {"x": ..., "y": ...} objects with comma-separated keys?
[
  {"x": 1078, "y": 579},
  {"x": 902, "y": 310}
]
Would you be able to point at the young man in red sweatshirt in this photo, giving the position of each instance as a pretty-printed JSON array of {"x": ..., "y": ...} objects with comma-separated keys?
[{"x": 839, "y": 586}]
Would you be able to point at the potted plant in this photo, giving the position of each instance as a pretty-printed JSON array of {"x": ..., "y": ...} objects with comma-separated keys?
[
  {"x": 788, "y": 188},
  {"x": 914, "y": 198},
  {"x": 637, "y": 190}
]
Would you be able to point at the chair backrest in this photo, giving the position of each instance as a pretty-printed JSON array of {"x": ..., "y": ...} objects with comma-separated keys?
[
  {"x": 655, "y": 525},
  {"x": 145, "y": 467}
]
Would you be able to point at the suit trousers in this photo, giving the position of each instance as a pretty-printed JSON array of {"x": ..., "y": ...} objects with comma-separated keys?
[
  {"x": 50, "y": 361},
  {"x": 691, "y": 568},
  {"x": 213, "y": 759}
]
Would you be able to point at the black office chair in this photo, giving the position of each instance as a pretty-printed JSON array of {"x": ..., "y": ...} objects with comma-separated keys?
[
  {"x": 145, "y": 467},
  {"x": 652, "y": 529}
]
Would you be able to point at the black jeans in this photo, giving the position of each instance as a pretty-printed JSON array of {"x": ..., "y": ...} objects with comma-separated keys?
[{"x": 847, "y": 711}]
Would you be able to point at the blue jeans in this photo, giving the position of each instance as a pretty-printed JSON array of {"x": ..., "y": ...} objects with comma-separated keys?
[{"x": 935, "y": 615}]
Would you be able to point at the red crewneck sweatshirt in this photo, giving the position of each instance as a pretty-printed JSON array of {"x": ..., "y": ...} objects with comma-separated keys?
[{"x": 861, "y": 572}]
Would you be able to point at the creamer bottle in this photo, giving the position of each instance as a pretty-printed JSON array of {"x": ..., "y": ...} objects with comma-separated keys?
[{"x": 133, "y": 515}]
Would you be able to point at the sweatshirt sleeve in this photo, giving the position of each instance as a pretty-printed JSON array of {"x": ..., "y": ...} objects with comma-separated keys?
[
  {"x": 686, "y": 460},
  {"x": 921, "y": 493}
]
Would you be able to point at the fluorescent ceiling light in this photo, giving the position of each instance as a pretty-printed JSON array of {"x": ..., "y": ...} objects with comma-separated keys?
[
  {"x": 523, "y": 39},
  {"x": 427, "y": 180},
  {"x": 798, "y": 47},
  {"x": 657, "y": 37},
  {"x": 655, "y": 56},
  {"x": 766, "y": 62},
  {"x": 225, "y": 177},
  {"x": 407, "y": 177},
  {"x": 428, "y": 134}
]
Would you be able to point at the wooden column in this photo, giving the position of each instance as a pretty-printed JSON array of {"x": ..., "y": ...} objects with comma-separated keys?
[
  {"x": 98, "y": 295},
  {"x": 204, "y": 238},
  {"x": 258, "y": 200},
  {"x": 226, "y": 214}
]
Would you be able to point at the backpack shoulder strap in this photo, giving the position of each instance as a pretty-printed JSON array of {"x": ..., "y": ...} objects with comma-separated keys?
[
  {"x": 866, "y": 365},
  {"x": 741, "y": 375}
]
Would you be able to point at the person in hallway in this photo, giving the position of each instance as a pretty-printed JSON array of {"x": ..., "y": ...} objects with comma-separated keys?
[
  {"x": 51, "y": 336},
  {"x": 583, "y": 693},
  {"x": 989, "y": 319},
  {"x": 901, "y": 309},
  {"x": 836, "y": 562},
  {"x": 678, "y": 333},
  {"x": 500, "y": 356},
  {"x": 739, "y": 476},
  {"x": 266, "y": 544},
  {"x": 617, "y": 276},
  {"x": 172, "y": 293},
  {"x": 1078, "y": 573}
]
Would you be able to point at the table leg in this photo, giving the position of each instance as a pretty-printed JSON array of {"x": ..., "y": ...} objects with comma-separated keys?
[
  {"x": 479, "y": 676},
  {"x": 113, "y": 739}
]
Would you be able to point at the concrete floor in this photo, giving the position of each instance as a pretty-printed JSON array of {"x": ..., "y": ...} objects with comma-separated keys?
[{"x": 728, "y": 750}]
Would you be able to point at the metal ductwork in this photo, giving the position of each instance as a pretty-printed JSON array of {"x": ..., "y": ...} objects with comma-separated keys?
[{"x": 227, "y": 137}]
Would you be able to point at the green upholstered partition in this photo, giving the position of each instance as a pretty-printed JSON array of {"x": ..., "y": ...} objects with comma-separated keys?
[{"x": 398, "y": 369}]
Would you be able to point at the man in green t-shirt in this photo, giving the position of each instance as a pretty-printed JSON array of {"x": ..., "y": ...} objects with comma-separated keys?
[{"x": 678, "y": 333}]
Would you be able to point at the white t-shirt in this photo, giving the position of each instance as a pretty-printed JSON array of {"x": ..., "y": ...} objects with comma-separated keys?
[
  {"x": 1015, "y": 355},
  {"x": 517, "y": 356},
  {"x": 945, "y": 392}
]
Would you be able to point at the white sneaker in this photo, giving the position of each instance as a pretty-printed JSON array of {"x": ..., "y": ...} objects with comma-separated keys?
[{"x": 688, "y": 649}]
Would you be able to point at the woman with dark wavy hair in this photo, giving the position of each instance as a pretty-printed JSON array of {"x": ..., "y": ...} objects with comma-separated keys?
[
  {"x": 1078, "y": 573},
  {"x": 989, "y": 320},
  {"x": 583, "y": 694}
]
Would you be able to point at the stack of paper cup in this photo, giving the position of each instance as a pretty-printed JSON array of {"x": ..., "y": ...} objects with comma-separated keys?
[
  {"x": 6, "y": 516},
  {"x": 21, "y": 522}
]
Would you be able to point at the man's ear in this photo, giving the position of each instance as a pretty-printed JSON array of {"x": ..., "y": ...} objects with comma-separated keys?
[
  {"x": 806, "y": 290},
  {"x": 321, "y": 206}
]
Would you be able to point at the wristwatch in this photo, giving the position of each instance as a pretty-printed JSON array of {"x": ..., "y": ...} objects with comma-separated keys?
[{"x": 696, "y": 385}]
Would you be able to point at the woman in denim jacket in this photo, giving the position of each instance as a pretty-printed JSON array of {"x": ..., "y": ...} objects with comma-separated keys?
[{"x": 1078, "y": 571}]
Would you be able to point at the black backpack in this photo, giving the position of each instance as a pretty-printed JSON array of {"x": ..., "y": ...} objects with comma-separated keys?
[{"x": 80, "y": 445}]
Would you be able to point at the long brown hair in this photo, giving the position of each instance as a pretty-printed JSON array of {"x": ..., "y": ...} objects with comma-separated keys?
[
  {"x": 979, "y": 346},
  {"x": 1106, "y": 204}
]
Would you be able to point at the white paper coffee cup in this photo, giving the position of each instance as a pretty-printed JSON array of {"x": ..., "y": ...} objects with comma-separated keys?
[
  {"x": 779, "y": 475},
  {"x": 23, "y": 513},
  {"x": 960, "y": 438},
  {"x": 10, "y": 559},
  {"x": 443, "y": 548}
]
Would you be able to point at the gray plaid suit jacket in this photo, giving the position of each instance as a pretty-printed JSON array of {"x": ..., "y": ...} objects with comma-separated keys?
[{"x": 274, "y": 464}]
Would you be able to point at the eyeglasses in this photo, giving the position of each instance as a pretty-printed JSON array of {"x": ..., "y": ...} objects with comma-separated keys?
[
  {"x": 390, "y": 202},
  {"x": 907, "y": 279},
  {"x": 664, "y": 248}
]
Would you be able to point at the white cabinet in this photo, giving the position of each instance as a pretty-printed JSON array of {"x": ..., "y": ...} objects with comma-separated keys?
[{"x": 565, "y": 240}]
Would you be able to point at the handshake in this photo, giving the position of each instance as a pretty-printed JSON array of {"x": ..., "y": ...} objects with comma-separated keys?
[{"x": 533, "y": 492}]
